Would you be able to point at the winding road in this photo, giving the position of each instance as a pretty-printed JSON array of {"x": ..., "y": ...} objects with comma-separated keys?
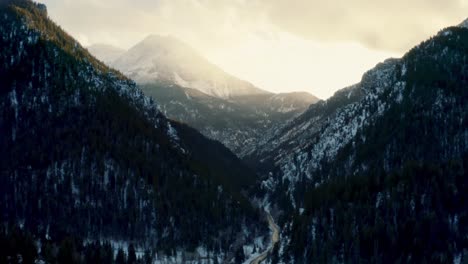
[{"x": 274, "y": 240}]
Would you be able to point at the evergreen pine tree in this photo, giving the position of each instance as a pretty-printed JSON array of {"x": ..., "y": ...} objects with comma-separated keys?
[
  {"x": 240, "y": 257},
  {"x": 131, "y": 255},
  {"x": 120, "y": 258}
]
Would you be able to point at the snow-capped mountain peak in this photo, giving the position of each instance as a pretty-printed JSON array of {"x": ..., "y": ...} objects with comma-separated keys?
[{"x": 165, "y": 58}]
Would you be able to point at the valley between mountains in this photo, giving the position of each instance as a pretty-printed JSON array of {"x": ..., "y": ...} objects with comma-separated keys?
[{"x": 155, "y": 155}]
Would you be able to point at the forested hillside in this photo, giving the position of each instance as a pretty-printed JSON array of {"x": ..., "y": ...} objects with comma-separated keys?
[
  {"x": 85, "y": 156},
  {"x": 378, "y": 173}
]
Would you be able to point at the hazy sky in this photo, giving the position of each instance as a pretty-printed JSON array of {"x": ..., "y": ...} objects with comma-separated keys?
[{"x": 279, "y": 45}]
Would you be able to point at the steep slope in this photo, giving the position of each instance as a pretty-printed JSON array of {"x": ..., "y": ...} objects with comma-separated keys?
[
  {"x": 85, "y": 154},
  {"x": 237, "y": 124},
  {"x": 106, "y": 53},
  {"x": 159, "y": 58},
  {"x": 378, "y": 173}
]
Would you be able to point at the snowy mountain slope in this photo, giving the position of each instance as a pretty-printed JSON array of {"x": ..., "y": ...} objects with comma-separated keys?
[
  {"x": 333, "y": 122},
  {"x": 160, "y": 58},
  {"x": 318, "y": 137},
  {"x": 105, "y": 53},
  {"x": 326, "y": 128},
  {"x": 379, "y": 171},
  {"x": 86, "y": 155}
]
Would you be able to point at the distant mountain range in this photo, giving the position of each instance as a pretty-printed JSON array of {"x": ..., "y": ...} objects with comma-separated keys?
[{"x": 192, "y": 90}]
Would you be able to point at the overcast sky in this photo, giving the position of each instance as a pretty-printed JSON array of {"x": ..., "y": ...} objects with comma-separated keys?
[{"x": 279, "y": 45}]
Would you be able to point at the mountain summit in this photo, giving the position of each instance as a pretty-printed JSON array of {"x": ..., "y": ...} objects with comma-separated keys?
[{"x": 165, "y": 58}]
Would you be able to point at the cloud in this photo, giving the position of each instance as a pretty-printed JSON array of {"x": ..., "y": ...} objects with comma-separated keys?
[
  {"x": 394, "y": 25},
  {"x": 279, "y": 45},
  {"x": 384, "y": 25},
  {"x": 390, "y": 25}
]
